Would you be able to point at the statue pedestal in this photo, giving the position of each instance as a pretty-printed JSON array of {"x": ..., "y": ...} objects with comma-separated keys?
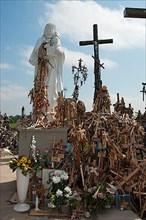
[{"x": 44, "y": 138}]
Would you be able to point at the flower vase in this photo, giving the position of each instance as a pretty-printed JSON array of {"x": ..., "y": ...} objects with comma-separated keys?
[
  {"x": 65, "y": 209},
  {"x": 22, "y": 188}
]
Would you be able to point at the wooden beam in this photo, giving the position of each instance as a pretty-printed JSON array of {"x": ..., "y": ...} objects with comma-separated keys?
[
  {"x": 90, "y": 42},
  {"x": 135, "y": 12}
]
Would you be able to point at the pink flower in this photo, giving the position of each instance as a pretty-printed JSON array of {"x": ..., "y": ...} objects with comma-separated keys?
[
  {"x": 37, "y": 151},
  {"x": 100, "y": 195},
  {"x": 47, "y": 150}
]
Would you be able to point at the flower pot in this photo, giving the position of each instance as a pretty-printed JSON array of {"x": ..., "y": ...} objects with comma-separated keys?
[
  {"x": 65, "y": 209},
  {"x": 22, "y": 188}
]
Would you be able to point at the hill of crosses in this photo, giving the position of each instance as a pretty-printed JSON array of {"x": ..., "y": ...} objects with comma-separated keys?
[{"x": 103, "y": 147}]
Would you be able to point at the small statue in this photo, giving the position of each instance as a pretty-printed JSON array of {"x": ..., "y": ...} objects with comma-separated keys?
[
  {"x": 37, "y": 204},
  {"x": 33, "y": 148}
]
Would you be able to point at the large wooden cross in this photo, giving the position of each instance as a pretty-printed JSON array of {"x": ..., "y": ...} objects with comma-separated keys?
[{"x": 97, "y": 65}]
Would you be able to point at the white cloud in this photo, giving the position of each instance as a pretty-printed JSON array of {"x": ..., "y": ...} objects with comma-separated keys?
[
  {"x": 6, "y": 66},
  {"x": 72, "y": 57},
  {"x": 25, "y": 52},
  {"x": 109, "y": 64},
  {"x": 13, "y": 97},
  {"x": 12, "y": 92},
  {"x": 74, "y": 20}
]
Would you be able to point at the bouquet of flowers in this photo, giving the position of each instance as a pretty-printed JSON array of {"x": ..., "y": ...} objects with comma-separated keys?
[
  {"x": 61, "y": 193},
  {"x": 34, "y": 162},
  {"x": 99, "y": 197},
  {"x": 23, "y": 163},
  {"x": 29, "y": 164},
  {"x": 42, "y": 159}
]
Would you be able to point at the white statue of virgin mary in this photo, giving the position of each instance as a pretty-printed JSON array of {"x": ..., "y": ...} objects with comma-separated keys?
[{"x": 48, "y": 56}]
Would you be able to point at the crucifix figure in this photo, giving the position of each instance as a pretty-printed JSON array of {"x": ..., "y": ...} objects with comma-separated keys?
[{"x": 97, "y": 64}]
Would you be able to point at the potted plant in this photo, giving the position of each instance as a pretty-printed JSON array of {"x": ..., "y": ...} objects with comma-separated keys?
[{"x": 62, "y": 196}]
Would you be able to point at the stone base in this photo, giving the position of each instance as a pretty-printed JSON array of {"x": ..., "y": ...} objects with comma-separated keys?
[
  {"x": 21, "y": 207},
  {"x": 45, "y": 138}
]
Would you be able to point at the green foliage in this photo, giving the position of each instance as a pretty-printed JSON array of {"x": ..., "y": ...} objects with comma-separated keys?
[
  {"x": 14, "y": 119},
  {"x": 13, "y": 125},
  {"x": 98, "y": 198}
]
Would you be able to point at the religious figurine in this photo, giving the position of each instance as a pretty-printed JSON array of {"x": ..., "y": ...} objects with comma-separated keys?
[
  {"x": 33, "y": 148},
  {"x": 37, "y": 204},
  {"x": 48, "y": 58}
]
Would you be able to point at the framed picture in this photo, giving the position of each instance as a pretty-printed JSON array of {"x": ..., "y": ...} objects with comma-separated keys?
[{"x": 124, "y": 201}]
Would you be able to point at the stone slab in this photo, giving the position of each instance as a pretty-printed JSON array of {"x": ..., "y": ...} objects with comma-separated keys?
[{"x": 45, "y": 138}]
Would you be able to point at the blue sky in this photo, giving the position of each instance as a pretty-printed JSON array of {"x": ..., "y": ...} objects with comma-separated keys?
[{"x": 22, "y": 23}]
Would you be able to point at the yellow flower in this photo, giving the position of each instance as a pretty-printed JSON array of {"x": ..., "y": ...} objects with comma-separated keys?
[
  {"x": 29, "y": 161},
  {"x": 25, "y": 168},
  {"x": 21, "y": 161},
  {"x": 24, "y": 159},
  {"x": 18, "y": 164}
]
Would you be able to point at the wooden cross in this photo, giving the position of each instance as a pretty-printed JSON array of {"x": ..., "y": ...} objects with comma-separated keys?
[
  {"x": 97, "y": 65},
  {"x": 135, "y": 12},
  {"x": 142, "y": 207}
]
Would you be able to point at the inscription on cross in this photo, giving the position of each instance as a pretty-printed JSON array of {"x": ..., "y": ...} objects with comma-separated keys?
[{"x": 97, "y": 64}]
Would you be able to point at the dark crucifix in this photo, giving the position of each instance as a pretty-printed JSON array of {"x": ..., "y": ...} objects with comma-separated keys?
[{"x": 97, "y": 64}]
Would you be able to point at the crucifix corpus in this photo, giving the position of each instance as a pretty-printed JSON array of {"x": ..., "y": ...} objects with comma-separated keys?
[{"x": 97, "y": 64}]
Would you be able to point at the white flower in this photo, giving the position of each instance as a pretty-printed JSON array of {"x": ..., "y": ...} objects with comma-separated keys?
[
  {"x": 64, "y": 177},
  {"x": 59, "y": 193},
  {"x": 68, "y": 190},
  {"x": 87, "y": 214},
  {"x": 90, "y": 190},
  {"x": 56, "y": 179},
  {"x": 95, "y": 194},
  {"x": 6, "y": 151},
  {"x": 57, "y": 173},
  {"x": 67, "y": 195}
]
